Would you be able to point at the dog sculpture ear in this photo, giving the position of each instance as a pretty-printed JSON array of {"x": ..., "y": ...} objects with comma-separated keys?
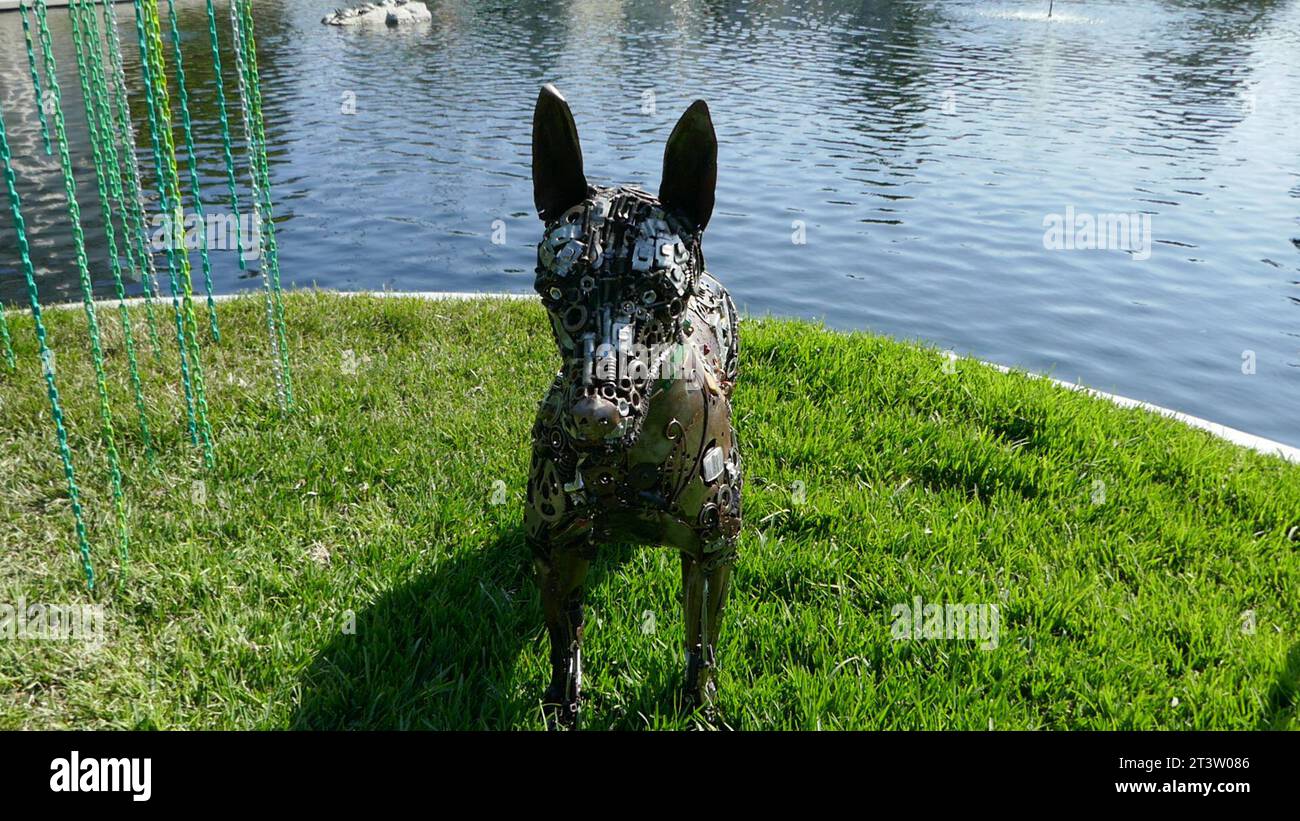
[
  {"x": 691, "y": 166},
  {"x": 558, "y": 181}
]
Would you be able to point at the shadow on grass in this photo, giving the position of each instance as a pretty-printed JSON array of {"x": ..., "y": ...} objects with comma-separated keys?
[
  {"x": 438, "y": 652},
  {"x": 1281, "y": 710},
  {"x": 441, "y": 651}
]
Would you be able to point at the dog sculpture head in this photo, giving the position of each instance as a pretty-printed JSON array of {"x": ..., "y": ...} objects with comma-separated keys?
[{"x": 617, "y": 267}]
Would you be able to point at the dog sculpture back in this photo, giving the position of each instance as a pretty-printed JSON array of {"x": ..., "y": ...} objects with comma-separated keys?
[{"x": 634, "y": 441}]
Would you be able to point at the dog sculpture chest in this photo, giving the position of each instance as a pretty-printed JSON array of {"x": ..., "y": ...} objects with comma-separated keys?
[{"x": 634, "y": 441}]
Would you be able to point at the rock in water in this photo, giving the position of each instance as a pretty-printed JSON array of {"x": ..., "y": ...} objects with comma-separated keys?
[{"x": 389, "y": 12}]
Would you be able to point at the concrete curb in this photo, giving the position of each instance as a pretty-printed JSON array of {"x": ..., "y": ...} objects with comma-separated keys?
[
  {"x": 257, "y": 294},
  {"x": 1237, "y": 437}
]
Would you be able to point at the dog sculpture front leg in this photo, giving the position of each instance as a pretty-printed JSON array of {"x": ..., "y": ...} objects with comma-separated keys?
[
  {"x": 705, "y": 584},
  {"x": 560, "y": 575},
  {"x": 559, "y": 536}
]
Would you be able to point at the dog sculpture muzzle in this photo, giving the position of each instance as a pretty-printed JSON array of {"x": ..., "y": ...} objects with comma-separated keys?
[{"x": 634, "y": 440}]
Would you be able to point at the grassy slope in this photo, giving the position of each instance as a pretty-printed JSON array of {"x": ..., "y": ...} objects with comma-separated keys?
[{"x": 376, "y": 498}]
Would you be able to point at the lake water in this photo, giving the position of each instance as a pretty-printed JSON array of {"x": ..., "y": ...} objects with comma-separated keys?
[{"x": 889, "y": 166}]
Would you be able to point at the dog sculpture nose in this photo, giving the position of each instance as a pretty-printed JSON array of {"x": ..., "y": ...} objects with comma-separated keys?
[{"x": 594, "y": 418}]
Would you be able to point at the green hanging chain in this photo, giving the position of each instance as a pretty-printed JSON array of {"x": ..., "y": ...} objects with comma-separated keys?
[
  {"x": 196, "y": 193},
  {"x": 36, "y": 77},
  {"x": 260, "y": 124},
  {"x": 142, "y": 263},
  {"x": 172, "y": 174},
  {"x": 155, "y": 130},
  {"x": 47, "y": 359},
  {"x": 88, "y": 297},
  {"x": 94, "y": 95},
  {"x": 10, "y": 361},
  {"x": 245, "y": 55},
  {"x": 104, "y": 110},
  {"x": 250, "y": 139},
  {"x": 169, "y": 178},
  {"x": 225, "y": 130}
]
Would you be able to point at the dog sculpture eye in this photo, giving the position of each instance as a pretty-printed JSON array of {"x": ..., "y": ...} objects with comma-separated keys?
[{"x": 560, "y": 256}]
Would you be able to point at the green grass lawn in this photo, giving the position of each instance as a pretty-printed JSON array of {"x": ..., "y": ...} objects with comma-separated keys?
[{"x": 347, "y": 565}]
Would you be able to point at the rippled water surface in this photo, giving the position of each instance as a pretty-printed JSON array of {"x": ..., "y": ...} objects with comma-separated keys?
[{"x": 916, "y": 148}]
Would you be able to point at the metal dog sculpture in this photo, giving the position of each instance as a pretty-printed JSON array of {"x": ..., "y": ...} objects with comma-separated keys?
[{"x": 634, "y": 441}]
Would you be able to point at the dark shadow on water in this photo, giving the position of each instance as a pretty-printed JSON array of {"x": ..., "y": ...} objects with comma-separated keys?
[
  {"x": 440, "y": 652},
  {"x": 1282, "y": 698}
]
